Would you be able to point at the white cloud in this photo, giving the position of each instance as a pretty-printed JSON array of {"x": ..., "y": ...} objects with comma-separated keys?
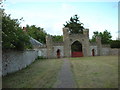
[{"x": 52, "y": 21}]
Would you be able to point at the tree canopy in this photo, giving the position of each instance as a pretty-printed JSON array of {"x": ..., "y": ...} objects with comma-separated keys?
[
  {"x": 13, "y": 36},
  {"x": 37, "y": 33},
  {"x": 105, "y": 37},
  {"x": 115, "y": 44},
  {"x": 57, "y": 38},
  {"x": 74, "y": 25}
]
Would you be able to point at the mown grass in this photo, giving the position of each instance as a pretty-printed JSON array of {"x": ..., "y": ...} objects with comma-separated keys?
[
  {"x": 88, "y": 72},
  {"x": 40, "y": 74},
  {"x": 95, "y": 72}
]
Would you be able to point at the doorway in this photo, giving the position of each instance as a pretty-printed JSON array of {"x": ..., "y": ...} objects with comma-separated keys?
[
  {"x": 76, "y": 49},
  {"x": 58, "y": 53},
  {"x": 93, "y": 52}
]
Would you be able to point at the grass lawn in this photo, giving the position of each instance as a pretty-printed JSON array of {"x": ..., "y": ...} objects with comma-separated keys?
[
  {"x": 88, "y": 72},
  {"x": 95, "y": 72},
  {"x": 40, "y": 74}
]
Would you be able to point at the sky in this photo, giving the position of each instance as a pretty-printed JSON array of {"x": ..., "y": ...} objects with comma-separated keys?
[{"x": 51, "y": 15}]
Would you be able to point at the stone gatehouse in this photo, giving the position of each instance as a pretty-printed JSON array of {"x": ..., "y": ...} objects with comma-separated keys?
[{"x": 73, "y": 45}]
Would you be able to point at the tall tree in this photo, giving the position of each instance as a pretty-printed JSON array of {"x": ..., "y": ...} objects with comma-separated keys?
[
  {"x": 105, "y": 36},
  {"x": 74, "y": 25}
]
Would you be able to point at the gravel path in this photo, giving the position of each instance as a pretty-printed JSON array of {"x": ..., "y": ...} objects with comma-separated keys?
[{"x": 65, "y": 78}]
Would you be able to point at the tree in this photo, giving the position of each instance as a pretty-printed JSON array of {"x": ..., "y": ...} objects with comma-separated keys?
[
  {"x": 13, "y": 36},
  {"x": 115, "y": 44},
  {"x": 37, "y": 33},
  {"x": 57, "y": 38},
  {"x": 74, "y": 25},
  {"x": 105, "y": 37}
]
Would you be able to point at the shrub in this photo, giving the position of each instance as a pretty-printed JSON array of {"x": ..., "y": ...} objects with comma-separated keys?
[
  {"x": 13, "y": 36},
  {"x": 115, "y": 44}
]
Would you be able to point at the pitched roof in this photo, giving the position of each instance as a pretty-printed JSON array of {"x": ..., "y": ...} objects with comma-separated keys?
[{"x": 35, "y": 42}]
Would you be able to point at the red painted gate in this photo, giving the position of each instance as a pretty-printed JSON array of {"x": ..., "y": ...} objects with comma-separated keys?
[{"x": 77, "y": 54}]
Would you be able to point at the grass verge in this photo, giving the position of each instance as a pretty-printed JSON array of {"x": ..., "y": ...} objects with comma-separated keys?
[
  {"x": 40, "y": 74},
  {"x": 95, "y": 72}
]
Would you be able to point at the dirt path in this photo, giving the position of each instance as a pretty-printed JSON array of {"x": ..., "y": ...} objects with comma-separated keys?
[{"x": 65, "y": 78}]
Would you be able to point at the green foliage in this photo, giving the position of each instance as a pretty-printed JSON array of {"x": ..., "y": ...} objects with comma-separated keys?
[
  {"x": 105, "y": 36},
  {"x": 115, "y": 44},
  {"x": 13, "y": 36},
  {"x": 36, "y": 33},
  {"x": 95, "y": 34},
  {"x": 74, "y": 25},
  {"x": 57, "y": 38}
]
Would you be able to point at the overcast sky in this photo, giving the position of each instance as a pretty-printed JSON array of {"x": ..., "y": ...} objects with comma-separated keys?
[{"x": 51, "y": 15}]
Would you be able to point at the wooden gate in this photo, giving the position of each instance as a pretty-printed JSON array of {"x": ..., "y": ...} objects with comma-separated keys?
[{"x": 77, "y": 54}]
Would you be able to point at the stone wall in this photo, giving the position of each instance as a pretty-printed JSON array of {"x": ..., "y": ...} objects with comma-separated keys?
[
  {"x": 13, "y": 61},
  {"x": 49, "y": 44},
  {"x": 55, "y": 48},
  {"x": 109, "y": 51},
  {"x": 95, "y": 50},
  {"x": 66, "y": 40},
  {"x": 42, "y": 52},
  {"x": 114, "y": 51},
  {"x": 105, "y": 51},
  {"x": 58, "y": 43},
  {"x": 70, "y": 38}
]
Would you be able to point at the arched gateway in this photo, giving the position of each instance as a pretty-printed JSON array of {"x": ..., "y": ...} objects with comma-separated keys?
[
  {"x": 73, "y": 45},
  {"x": 76, "y": 49},
  {"x": 76, "y": 45}
]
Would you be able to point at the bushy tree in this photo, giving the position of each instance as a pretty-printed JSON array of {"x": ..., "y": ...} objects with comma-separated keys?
[
  {"x": 74, "y": 25},
  {"x": 115, "y": 44},
  {"x": 57, "y": 38},
  {"x": 13, "y": 36},
  {"x": 37, "y": 33},
  {"x": 105, "y": 37}
]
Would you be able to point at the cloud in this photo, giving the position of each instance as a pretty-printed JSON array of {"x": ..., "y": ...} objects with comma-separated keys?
[{"x": 53, "y": 18}]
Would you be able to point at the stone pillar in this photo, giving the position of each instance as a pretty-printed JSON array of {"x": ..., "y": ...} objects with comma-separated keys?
[
  {"x": 66, "y": 40},
  {"x": 86, "y": 45},
  {"x": 49, "y": 44},
  {"x": 86, "y": 32},
  {"x": 99, "y": 45}
]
